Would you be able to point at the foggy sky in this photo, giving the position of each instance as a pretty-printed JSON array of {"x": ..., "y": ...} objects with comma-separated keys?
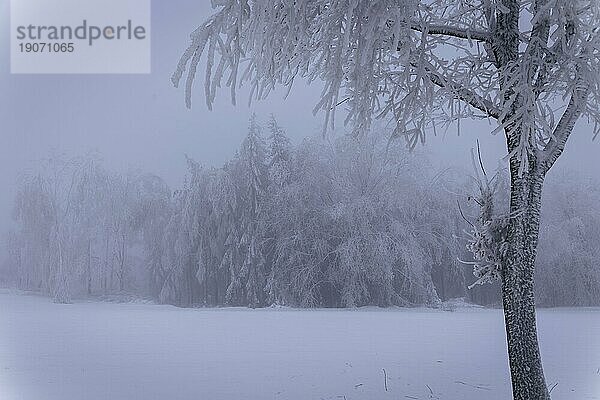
[{"x": 141, "y": 121}]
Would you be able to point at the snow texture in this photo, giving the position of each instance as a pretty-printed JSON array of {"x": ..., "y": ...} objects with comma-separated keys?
[{"x": 98, "y": 351}]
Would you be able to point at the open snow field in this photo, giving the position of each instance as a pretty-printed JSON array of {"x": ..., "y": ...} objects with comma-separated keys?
[{"x": 93, "y": 351}]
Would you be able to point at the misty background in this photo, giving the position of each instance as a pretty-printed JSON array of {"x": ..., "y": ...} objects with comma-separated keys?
[
  {"x": 140, "y": 121},
  {"x": 139, "y": 349}
]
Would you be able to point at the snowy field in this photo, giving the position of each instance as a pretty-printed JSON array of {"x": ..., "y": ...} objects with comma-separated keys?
[{"x": 109, "y": 351}]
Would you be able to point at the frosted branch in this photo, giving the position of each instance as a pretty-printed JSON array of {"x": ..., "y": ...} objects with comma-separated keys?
[
  {"x": 460, "y": 33},
  {"x": 464, "y": 93}
]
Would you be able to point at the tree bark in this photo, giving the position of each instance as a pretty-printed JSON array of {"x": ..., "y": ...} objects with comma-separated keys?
[{"x": 527, "y": 374}]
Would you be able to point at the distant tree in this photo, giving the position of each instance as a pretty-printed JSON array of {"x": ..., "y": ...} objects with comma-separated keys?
[
  {"x": 78, "y": 226},
  {"x": 279, "y": 155},
  {"x": 34, "y": 216},
  {"x": 150, "y": 213},
  {"x": 568, "y": 265},
  {"x": 182, "y": 241},
  {"x": 343, "y": 231},
  {"x": 298, "y": 233},
  {"x": 50, "y": 229},
  {"x": 252, "y": 189},
  {"x": 228, "y": 195},
  {"x": 280, "y": 174},
  {"x": 89, "y": 207},
  {"x": 531, "y": 66}
]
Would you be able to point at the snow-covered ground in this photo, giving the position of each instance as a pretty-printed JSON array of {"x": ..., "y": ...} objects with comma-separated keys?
[{"x": 110, "y": 351}]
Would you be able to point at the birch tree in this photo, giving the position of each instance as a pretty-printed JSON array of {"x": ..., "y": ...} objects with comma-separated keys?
[{"x": 531, "y": 67}]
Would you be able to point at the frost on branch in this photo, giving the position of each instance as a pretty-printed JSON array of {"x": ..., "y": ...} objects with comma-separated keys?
[
  {"x": 488, "y": 236},
  {"x": 346, "y": 44},
  {"x": 424, "y": 64}
]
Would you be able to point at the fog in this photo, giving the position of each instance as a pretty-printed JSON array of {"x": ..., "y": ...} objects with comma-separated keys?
[
  {"x": 141, "y": 121},
  {"x": 215, "y": 229}
]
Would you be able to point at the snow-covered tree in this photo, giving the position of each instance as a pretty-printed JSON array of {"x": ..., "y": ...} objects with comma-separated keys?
[
  {"x": 300, "y": 232},
  {"x": 531, "y": 66},
  {"x": 279, "y": 154},
  {"x": 251, "y": 184},
  {"x": 182, "y": 241},
  {"x": 35, "y": 217},
  {"x": 89, "y": 207},
  {"x": 280, "y": 171},
  {"x": 150, "y": 213},
  {"x": 344, "y": 232},
  {"x": 46, "y": 210},
  {"x": 393, "y": 244},
  {"x": 78, "y": 226},
  {"x": 568, "y": 264},
  {"x": 341, "y": 231}
]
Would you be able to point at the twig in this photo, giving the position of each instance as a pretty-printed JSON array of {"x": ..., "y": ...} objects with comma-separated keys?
[
  {"x": 463, "y": 215},
  {"x": 473, "y": 386},
  {"x": 385, "y": 379},
  {"x": 480, "y": 161},
  {"x": 431, "y": 395}
]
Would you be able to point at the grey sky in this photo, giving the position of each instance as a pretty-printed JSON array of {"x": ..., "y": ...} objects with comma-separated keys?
[{"x": 141, "y": 120}]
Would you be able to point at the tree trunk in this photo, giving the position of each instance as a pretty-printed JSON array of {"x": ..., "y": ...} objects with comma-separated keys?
[{"x": 527, "y": 375}]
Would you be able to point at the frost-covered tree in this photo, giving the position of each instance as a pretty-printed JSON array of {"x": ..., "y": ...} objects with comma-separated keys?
[
  {"x": 34, "y": 216},
  {"x": 89, "y": 207},
  {"x": 375, "y": 249},
  {"x": 568, "y": 266},
  {"x": 51, "y": 227},
  {"x": 279, "y": 154},
  {"x": 531, "y": 66},
  {"x": 343, "y": 232},
  {"x": 251, "y": 186},
  {"x": 298, "y": 233},
  {"x": 78, "y": 228},
  {"x": 182, "y": 241},
  {"x": 280, "y": 173},
  {"x": 220, "y": 230},
  {"x": 150, "y": 213},
  {"x": 232, "y": 256}
]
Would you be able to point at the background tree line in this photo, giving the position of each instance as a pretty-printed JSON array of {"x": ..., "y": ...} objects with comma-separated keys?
[{"x": 345, "y": 222}]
